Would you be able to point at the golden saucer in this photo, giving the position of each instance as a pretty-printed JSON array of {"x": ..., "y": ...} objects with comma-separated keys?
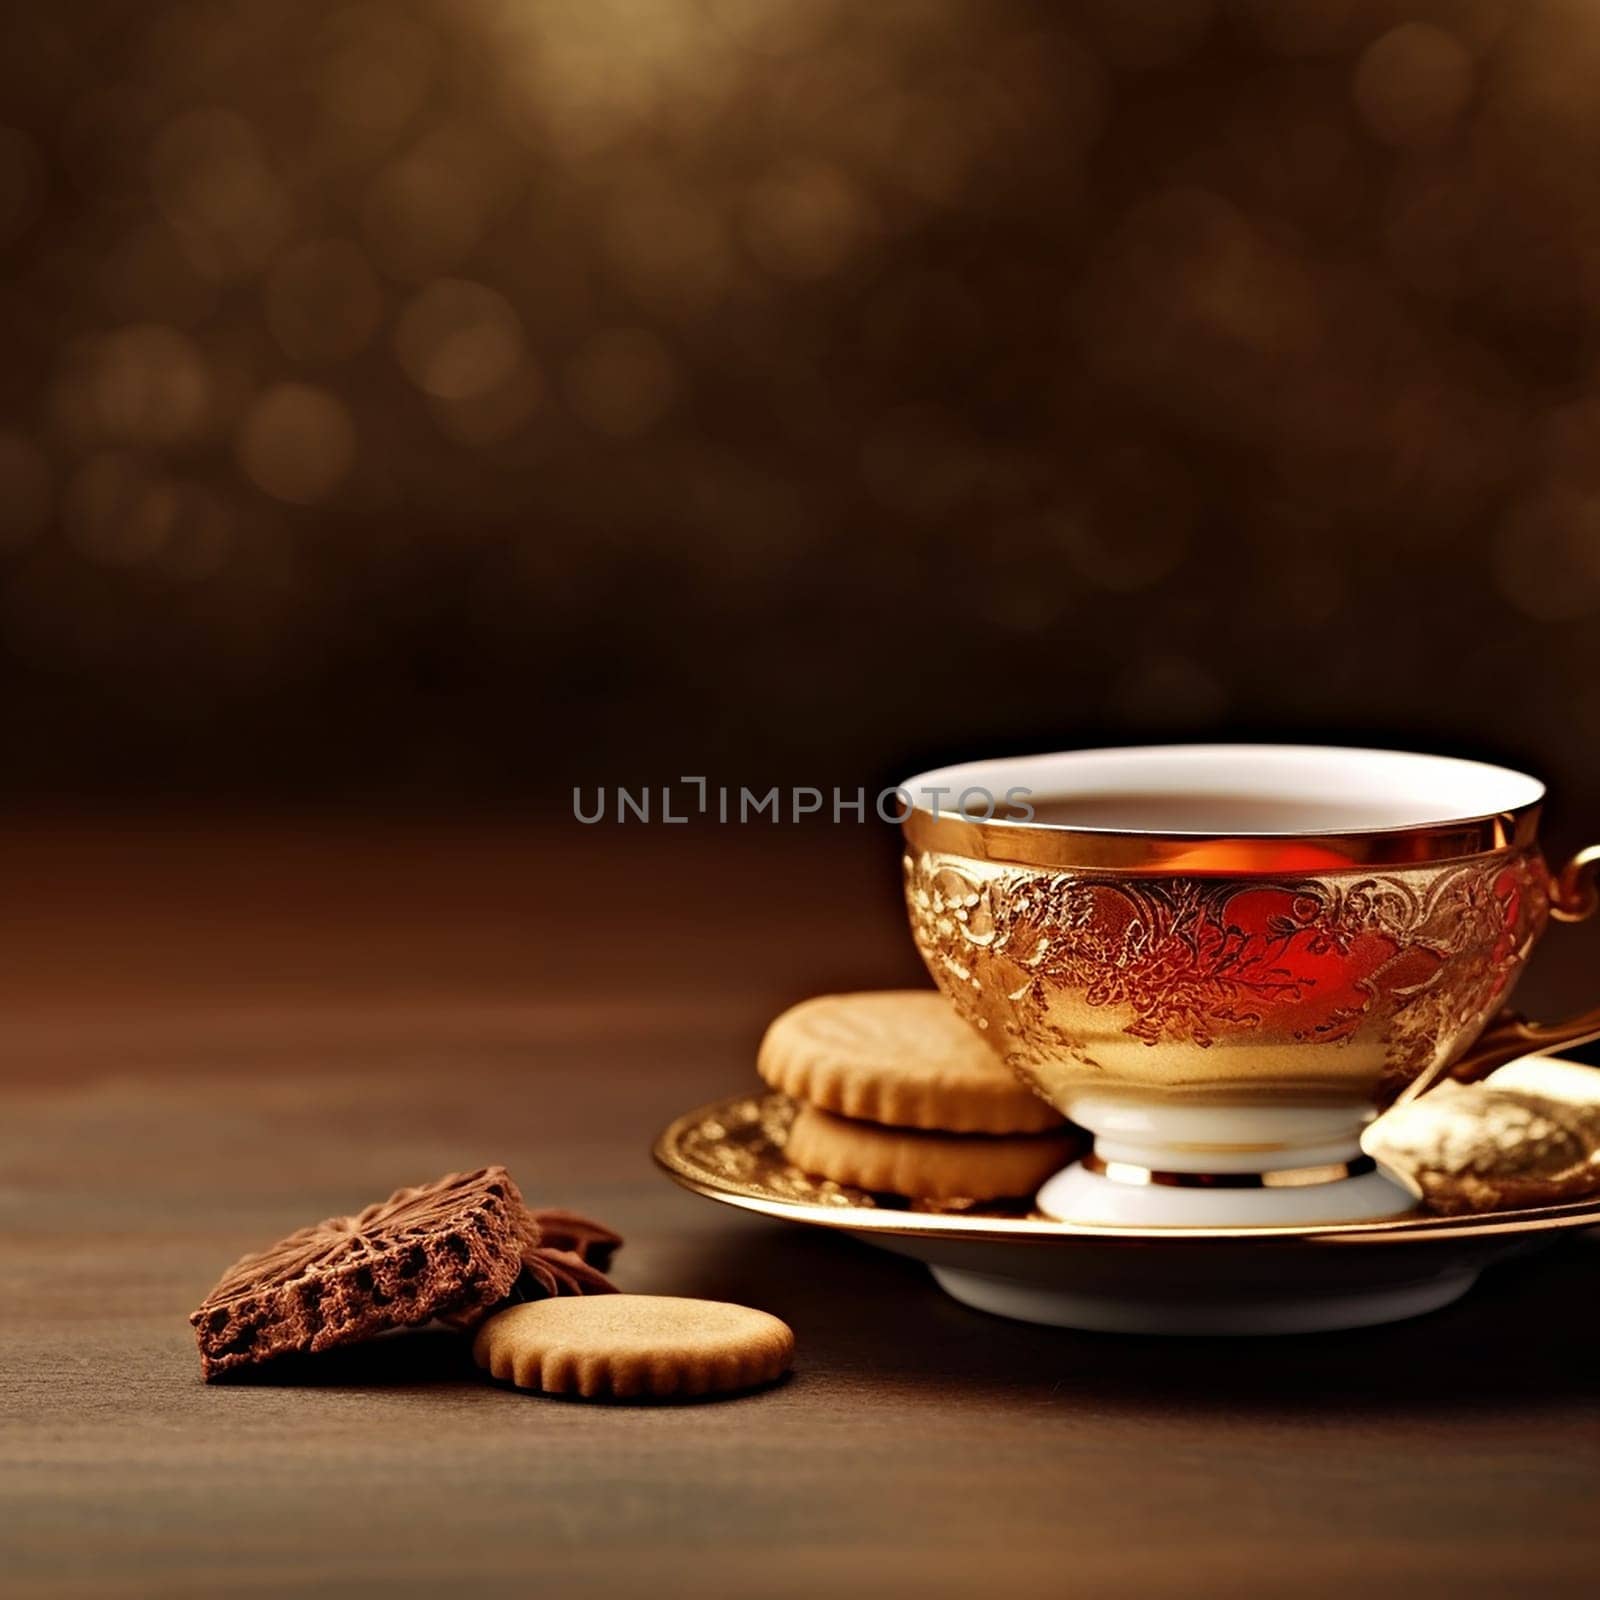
[{"x": 1216, "y": 1280}]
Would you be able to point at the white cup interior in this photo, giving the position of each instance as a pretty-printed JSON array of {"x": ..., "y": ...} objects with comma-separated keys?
[{"x": 1241, "y": 790}]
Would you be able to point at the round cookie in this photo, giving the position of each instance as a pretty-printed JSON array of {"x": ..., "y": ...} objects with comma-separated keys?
[
  {"x": 901, "y": 1057},
  {"x": 633, "y": 1347},
  {"x": 924, "y": 1166}
]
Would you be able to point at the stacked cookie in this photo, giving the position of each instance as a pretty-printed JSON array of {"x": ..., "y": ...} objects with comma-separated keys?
[{"x": 897, "y": 1094}]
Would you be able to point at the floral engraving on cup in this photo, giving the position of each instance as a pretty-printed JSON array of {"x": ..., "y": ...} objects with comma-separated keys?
[{"x": 1061, "y": 964}]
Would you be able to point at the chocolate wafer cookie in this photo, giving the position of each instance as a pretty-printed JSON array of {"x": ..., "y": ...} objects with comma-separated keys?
[{"x": 453, "y": 1247}]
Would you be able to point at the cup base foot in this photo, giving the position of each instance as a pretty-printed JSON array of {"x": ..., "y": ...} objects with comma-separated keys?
[{"x": 1076, "y": 1194}]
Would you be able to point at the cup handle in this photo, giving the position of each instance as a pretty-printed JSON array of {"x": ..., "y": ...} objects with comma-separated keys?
[{"x": 1574, "y": 896}]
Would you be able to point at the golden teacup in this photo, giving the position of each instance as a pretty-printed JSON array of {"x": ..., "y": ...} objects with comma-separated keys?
[{"x": 1222, "y": 959}]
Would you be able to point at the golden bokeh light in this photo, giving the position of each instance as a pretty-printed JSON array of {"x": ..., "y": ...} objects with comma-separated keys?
[
  {"x": 296, "y": 443},
  {"x": 376, "y": 66},
  {"x": 150, "y": 386},
  {"x": 430, "y": 207},
  {"x": 457, "y": 340},
  {"x": 587, "y": 77},
  {"x": 211, "y": 177},
  {"x": 490, "y": 416},
  {"x": 1542, "y": 92},
  {"x": 1413, "y": 84}
]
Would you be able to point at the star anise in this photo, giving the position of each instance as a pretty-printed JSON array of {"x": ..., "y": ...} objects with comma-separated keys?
[
  {"x": 582, "y": 1236},
  {"x": 568, "y": 1258}
]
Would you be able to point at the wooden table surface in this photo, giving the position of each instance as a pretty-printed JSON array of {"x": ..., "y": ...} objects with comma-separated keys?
[{"x": 209, "y": 1035}]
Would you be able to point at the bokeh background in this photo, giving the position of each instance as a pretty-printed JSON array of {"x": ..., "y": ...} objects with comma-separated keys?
[{"x": 464, "y": 398}]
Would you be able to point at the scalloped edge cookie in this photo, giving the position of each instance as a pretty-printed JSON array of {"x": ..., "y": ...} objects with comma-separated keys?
[
  {"x": 922, "y": 1165},
  {"x": 901, "y": 1057},
  {"x": 634, "y": 1347}
]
